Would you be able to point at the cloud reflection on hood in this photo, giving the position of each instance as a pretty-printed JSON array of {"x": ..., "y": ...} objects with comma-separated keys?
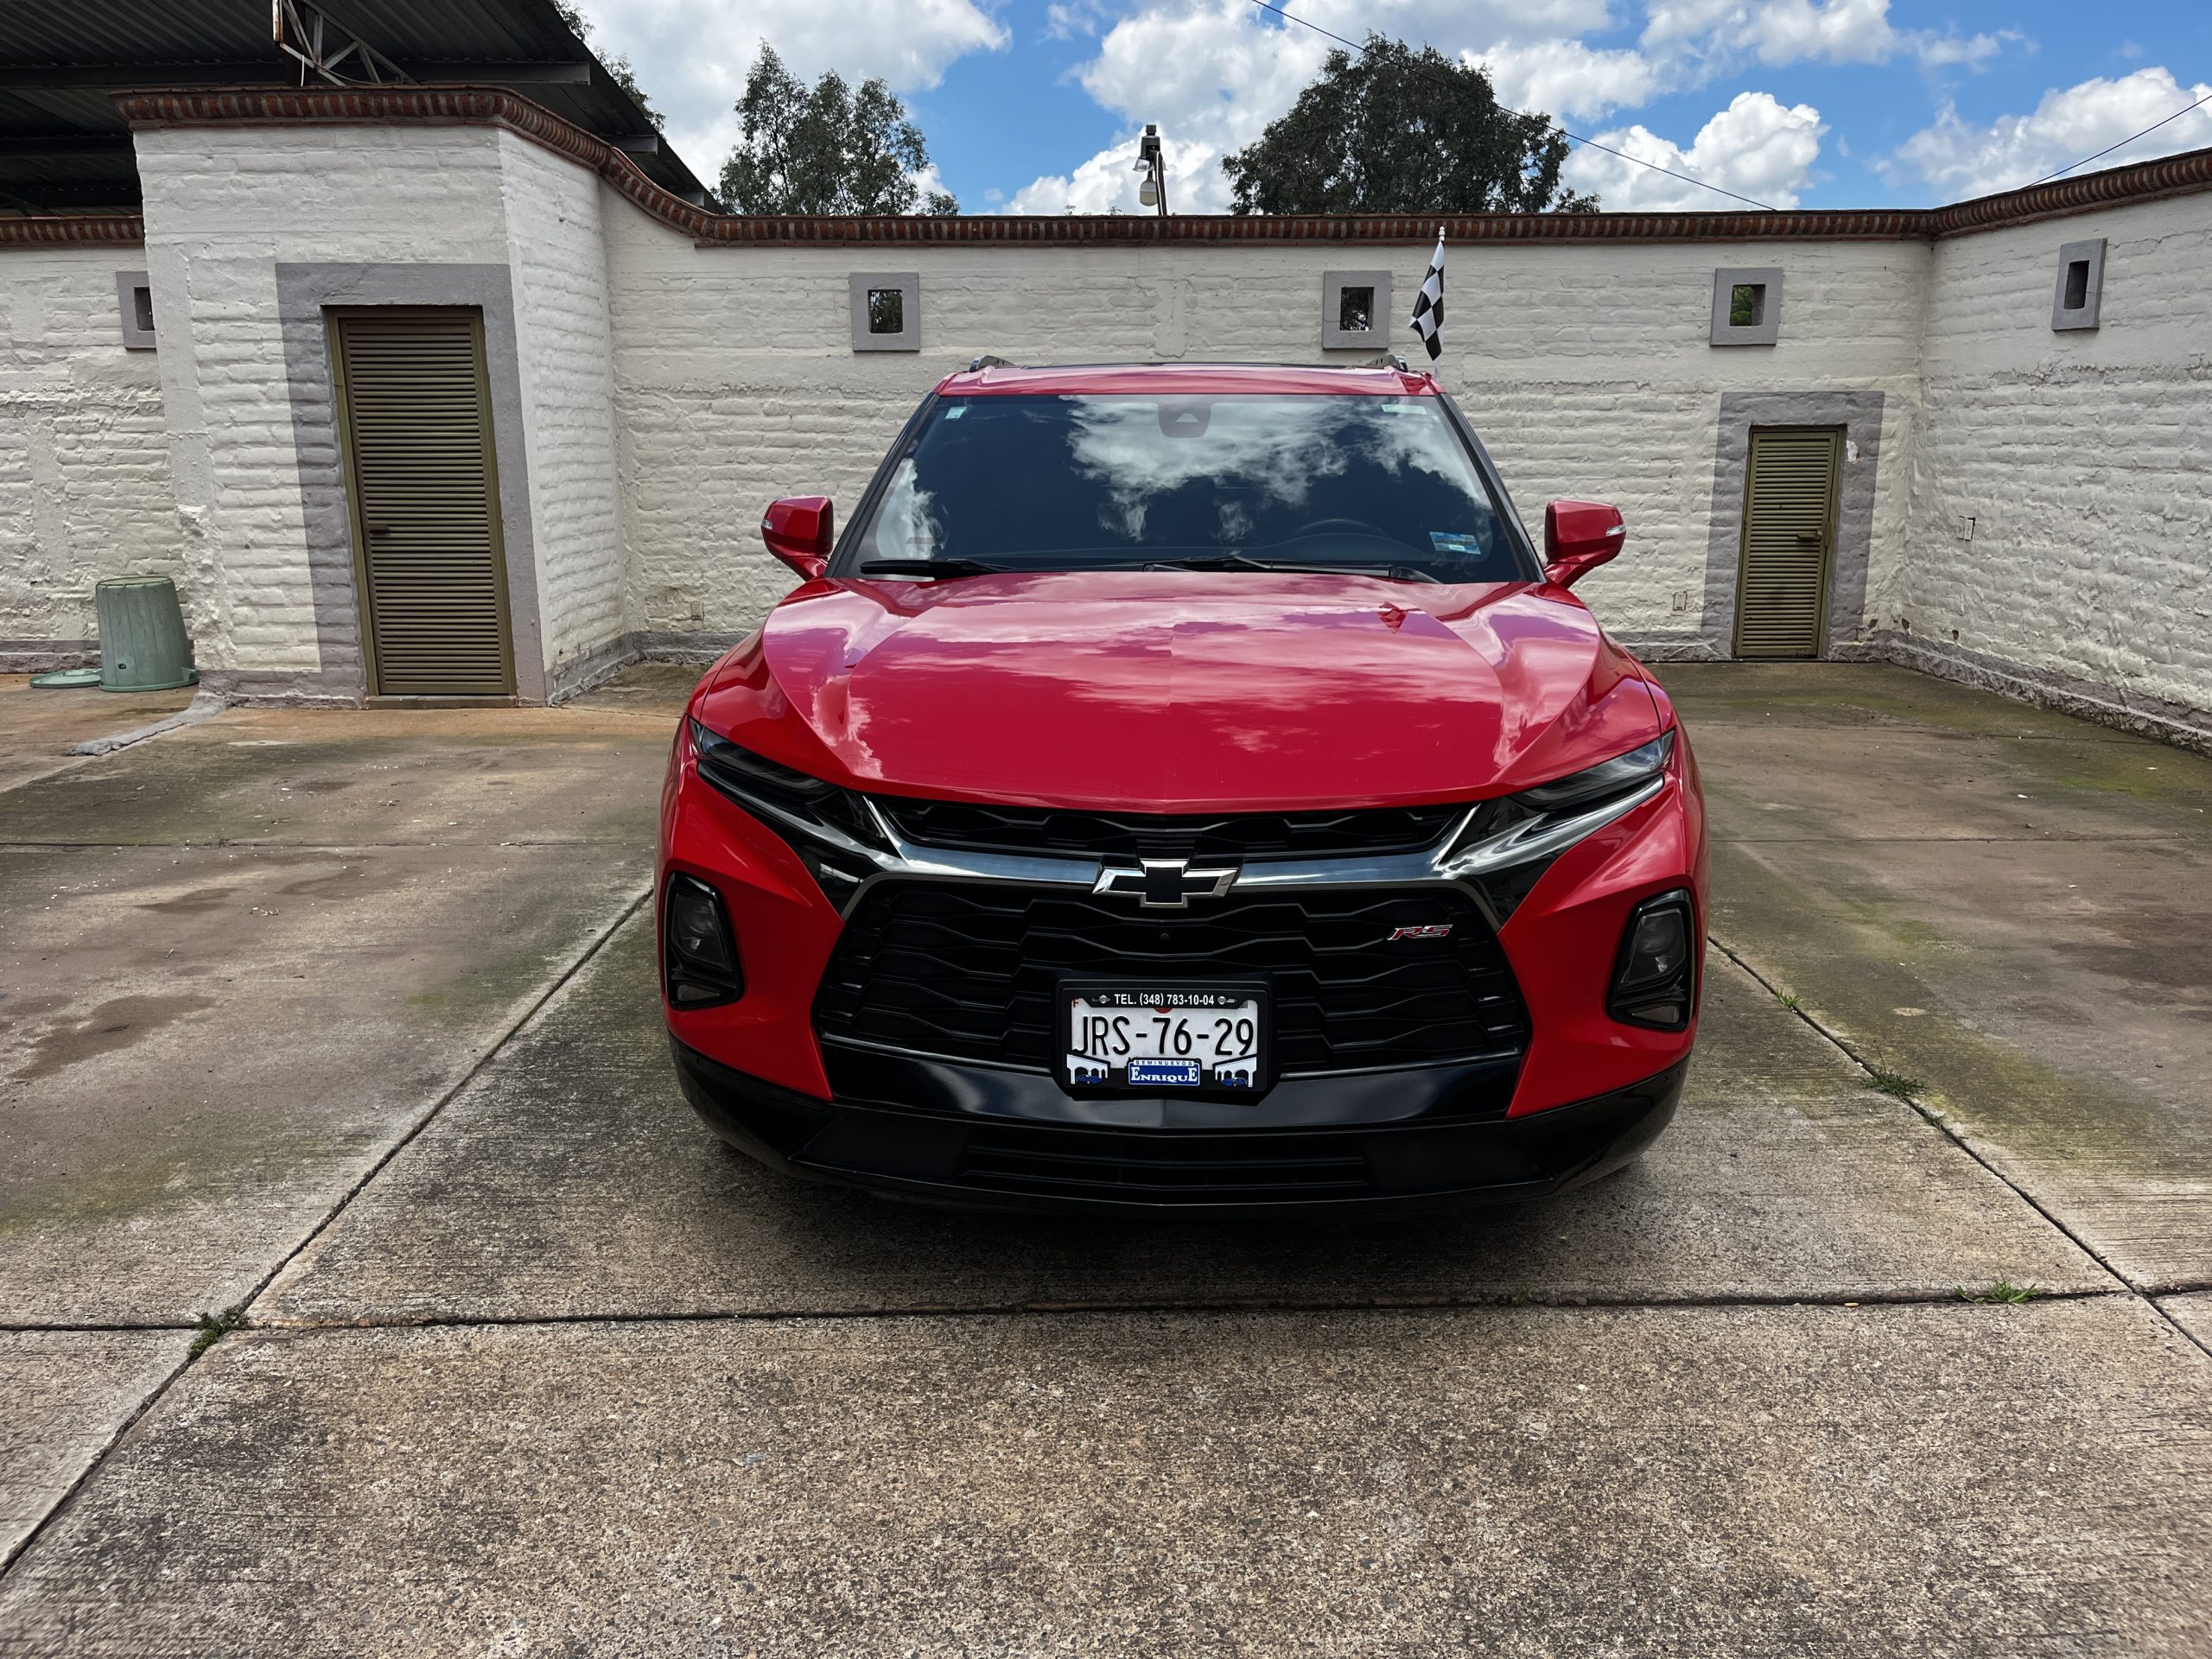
[{"x": 1204, "y": 690}]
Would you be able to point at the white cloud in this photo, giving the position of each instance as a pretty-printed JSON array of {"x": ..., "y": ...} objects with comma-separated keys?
[
  {"x": 1209, "y": 76},
  {"x": 1206, "y": 72},
  {"x": 1107, "y": 182},
  {"x": 1757, "y": 146},
  {"x": 1958, "y": 160},
  {"x": 1568, "y": 80},
  {"x": 926, "y": 182},
  {"x": 1777, "y": 31},
  {"x": 1212, "y": 74},
  {"x": 1687, "y": 43},
  {"x": 691, "y": 55},
  {"x": 1078, "y": 18},
  {"x": 1955, "y": 50},
  {"x": 1715, "y": 33}
]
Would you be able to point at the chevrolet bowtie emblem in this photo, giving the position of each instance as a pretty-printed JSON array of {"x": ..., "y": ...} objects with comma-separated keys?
[{"x": 1165, "y": 883}]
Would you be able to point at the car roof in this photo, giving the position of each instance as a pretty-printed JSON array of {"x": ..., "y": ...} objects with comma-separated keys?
[{"x": 1213, "y": 379}]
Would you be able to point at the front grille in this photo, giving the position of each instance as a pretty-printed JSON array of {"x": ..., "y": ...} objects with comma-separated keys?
[
  {"x": 1154, "y": 1169},
  {"x": 967, "y": 972},
  {"x": 1337, "y": 834}
]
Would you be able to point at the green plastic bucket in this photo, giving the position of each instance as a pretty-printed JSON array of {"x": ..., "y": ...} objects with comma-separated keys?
[{"x": 144, "y": 647}]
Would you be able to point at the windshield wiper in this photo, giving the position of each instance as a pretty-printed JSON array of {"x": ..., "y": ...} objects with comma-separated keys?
[
  {"x": 1300, "y": 567},
  {"x": 933, "y": 568}
]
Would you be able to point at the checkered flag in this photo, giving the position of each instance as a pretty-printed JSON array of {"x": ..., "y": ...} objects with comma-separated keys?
[{"x": 1428, "y": 310}]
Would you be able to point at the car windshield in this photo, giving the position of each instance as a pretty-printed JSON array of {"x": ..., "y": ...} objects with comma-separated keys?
[{"x": 1026, "y": 482}]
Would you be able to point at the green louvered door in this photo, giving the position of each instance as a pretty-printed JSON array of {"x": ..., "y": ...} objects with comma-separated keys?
[
  {"x": 416, "y": 425},
  {"x": 1788, "y": 533}
]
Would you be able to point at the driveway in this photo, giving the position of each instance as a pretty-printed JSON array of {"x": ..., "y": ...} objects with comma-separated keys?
[{"x": 346, "y": 1022}]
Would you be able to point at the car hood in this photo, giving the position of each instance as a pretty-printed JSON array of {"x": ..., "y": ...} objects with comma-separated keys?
[{"x": 1180, "y": 690}]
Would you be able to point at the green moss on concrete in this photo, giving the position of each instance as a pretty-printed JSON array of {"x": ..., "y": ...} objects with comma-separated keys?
[
  {"x": 1855, "y": 961},
  {"x": 1859, "y": 694},
  {"x": 531, "y": 947},
  {"x": 159, "y": 1165},
  {"x": 2033, "y": 974},
  {"x": 2144, "y": 771},
  {"x": 481, "y": 781}
]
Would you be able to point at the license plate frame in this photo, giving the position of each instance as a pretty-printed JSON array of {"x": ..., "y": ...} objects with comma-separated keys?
[{"x": 1148, "y": 999}]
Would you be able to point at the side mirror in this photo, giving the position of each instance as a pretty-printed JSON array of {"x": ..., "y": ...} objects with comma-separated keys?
[
  {"x": 1579, "y": 536},
  {"x": 800, "y": 530}
]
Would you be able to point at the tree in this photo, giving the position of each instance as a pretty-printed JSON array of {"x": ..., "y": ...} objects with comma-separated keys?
[
  {"x": 824, "y": 150},
  {"x": 618, "y": 67},
  {"x": 1394, "y": 130}
]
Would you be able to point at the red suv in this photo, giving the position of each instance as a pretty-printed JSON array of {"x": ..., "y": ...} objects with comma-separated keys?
[{"x": 1184, "y": 787}]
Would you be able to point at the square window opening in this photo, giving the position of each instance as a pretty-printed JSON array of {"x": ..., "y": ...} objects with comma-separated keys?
[
  {"x": 1355, "y": 310},
  {"x": 886, "y": 311},
  {"x": 142, "y": 308},
  {"x": 1746, "y": 305},
  {"x": 2078, "y": 284}
]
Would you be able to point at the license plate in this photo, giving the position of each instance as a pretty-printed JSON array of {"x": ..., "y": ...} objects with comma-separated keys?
[{"x": 1132, "y": 1035}]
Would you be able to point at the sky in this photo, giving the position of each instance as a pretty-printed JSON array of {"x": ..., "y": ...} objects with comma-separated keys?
[{"x": 1034, "y": 106}]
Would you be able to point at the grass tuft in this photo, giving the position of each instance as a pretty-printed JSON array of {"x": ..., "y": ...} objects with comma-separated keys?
[
  {"x": 1790, "y": 1001},
  {"x": 1894, "y": 1083},
  {"x": 2003, "y": 1291},
  {"x": 213, "y": 1325}
]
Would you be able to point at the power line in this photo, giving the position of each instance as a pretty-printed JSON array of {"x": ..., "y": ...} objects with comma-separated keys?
[
  {"x": 1356, "y": 46},
  {"x": 2122, "y": 144}
]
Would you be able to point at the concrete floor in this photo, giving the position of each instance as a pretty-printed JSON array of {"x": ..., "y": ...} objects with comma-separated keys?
[
  {"x": 39, "y": 729},
  {"x": 348, "y": 1019}
]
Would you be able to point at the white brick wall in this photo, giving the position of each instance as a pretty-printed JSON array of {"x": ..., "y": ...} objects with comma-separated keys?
[
  {"x": 670, "y": 391},
  {"x": 84, "y": 488},
  {"x": 223, "y": 205},
  {"x": 562, "y": 337},
  {"x": 2061, "y": 517},
  {"x": 1586, "y": 368}
]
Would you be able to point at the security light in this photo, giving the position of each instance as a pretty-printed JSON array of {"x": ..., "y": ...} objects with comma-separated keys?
[{"x": 1153, "y": 163}]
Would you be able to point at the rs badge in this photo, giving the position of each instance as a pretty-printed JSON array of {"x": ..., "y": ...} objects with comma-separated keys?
[{"x": 1433, "y": 930}]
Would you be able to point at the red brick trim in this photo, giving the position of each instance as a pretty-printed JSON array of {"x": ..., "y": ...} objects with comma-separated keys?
[
  {"x": 491, "y": 106},
  {"x": 2169, "y": 175},
  {"x": 74, "y": 230},
  {"x": 1143, "y": 229}
]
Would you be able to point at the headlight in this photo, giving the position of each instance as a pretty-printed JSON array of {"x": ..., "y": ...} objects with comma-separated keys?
[
  {"x": 1607, "y": 779},
  {"x": 737, "y": 770},
  {"x": 831, "y": 828},
  {"x": 1510, "y": 841}
]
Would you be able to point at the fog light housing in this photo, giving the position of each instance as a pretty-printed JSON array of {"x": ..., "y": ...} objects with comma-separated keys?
[
  {"x": 1655, "y": 976},
  {"x": 699, "y": 965}
]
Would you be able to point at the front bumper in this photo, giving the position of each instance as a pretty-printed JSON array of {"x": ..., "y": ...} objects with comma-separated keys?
[{"x": 968, "y": 1147}]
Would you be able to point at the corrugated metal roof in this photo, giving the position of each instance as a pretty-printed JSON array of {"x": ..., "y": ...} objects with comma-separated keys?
[
  {"x": 188, "y": 31},
  {"x": 63, "y": 146}
]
